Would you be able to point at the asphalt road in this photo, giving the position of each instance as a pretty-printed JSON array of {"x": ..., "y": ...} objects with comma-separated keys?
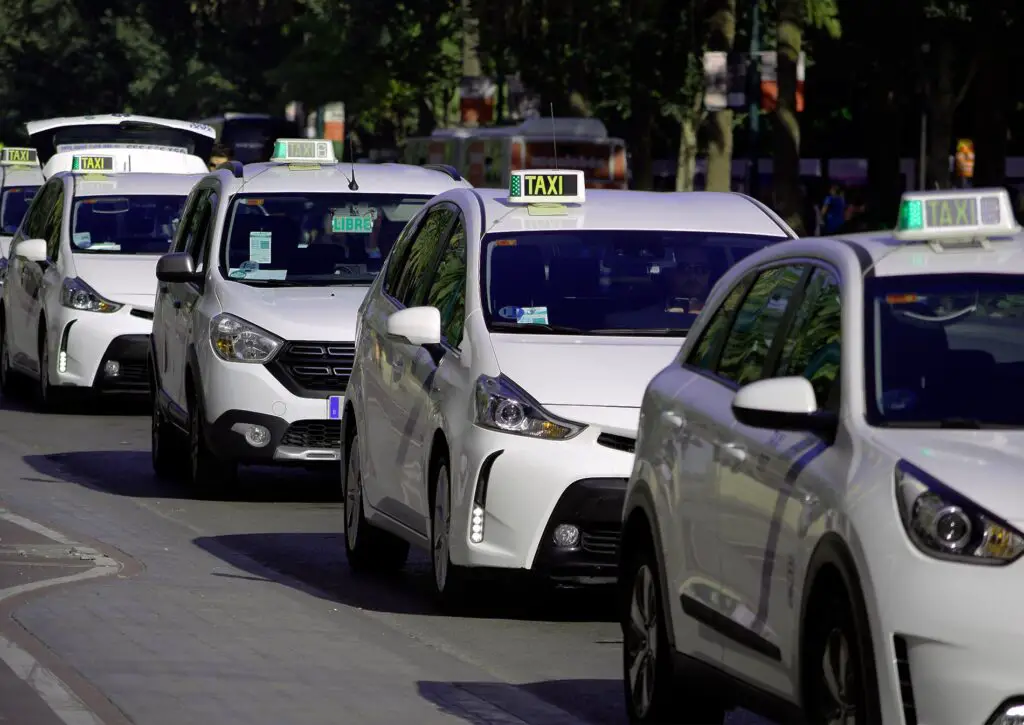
[{"x": 238, "y": 607}]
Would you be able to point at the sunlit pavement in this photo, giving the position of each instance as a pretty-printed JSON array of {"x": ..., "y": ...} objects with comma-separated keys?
[{"x": 238, "y": 606}]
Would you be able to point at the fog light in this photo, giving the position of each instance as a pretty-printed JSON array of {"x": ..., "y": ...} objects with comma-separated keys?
[
  {"x": 566, "y": 536},
  {"x": 62, "y": 363},
  {"x": 1012, "y": 715},
  {"x": 476, "y": 534},
  {"x": 112, "y": 368},
  {"x": 256, "y": 436}
]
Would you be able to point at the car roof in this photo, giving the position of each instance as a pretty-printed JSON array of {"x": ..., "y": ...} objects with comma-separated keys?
[
  {"x": 22, "y": 176},
  {"x": 131, "y": 184},
  {"x": 273, "y": 177},
  {"x": 891, "y": 257},
  {"x": 615, "y": 209}
]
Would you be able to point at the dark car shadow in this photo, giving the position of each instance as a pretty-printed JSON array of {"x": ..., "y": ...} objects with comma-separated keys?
[
  {"x": 315, "y": 563},
  {"x": 81, "y": 403},
  {"x": 598, "y": 702},
  {"x": 130, "y": 473}
]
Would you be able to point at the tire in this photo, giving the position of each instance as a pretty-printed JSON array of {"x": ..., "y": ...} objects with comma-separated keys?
[
  {"x": 369, "y": 550},
  {"x": 651, "y": 684},
  {"x": 48, "y": 396},
  {"x": 8, "y": 382},
  {"x": 165, "y": 446},
  {"x": 451, "y": 582},
  {"x": 205, "y": 469},
  {"x": 838, "y": 641}
]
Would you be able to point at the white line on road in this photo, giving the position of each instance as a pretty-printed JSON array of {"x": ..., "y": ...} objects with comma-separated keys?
[{"x": 50, "y": 688}]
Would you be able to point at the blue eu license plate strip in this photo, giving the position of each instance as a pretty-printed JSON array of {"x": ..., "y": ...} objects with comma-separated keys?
[{"x": 334, "y": 407}]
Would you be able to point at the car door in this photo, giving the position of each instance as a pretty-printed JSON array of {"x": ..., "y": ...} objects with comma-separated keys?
[
  {"x": 24, "y": 278},
  {"x": 786, "y": 474},
  {"x": 167, "y": 345},
  {"x": 741, "y": 359},
  {"x": 49, "y": 294},
  {"x": 401, "y": 402}
]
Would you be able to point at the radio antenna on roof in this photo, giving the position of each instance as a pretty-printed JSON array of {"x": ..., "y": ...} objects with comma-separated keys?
[
  {"x": 554, "y": 135},
  {"x": 353, "y": 185}
]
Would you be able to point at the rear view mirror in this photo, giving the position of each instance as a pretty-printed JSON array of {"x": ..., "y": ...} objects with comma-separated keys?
[
  {"x": 416, "y": 325},
  {"x": 787, "y": 404},
  {"x": 33, "y": 250},
  {"x": 177, "y": 267}
]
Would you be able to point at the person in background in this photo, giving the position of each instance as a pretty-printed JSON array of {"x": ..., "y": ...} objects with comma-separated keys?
[
  {"x": 857, "y": 218},
  {"x": 833, "y": 210},
  {"x": 220, "y": 154}
]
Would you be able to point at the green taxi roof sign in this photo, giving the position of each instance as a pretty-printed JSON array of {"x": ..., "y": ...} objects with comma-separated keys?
[
  {"x": 955, "y": 214},
  {"x": 303, "y": 151},
  {"x": 547, "y": 187},
  {"x": 15, "y": 156}
]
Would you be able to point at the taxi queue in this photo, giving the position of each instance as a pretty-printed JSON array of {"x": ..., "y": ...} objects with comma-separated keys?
[{"x": 495, "y": 375}]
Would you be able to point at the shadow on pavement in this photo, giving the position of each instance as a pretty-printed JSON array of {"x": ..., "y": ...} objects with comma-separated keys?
[
  {"x": 81, "y": 403},
  {"x": 595, "y": 701},
  {"x": 315, "y": 563},
  {"x": 130, "y": 473}
]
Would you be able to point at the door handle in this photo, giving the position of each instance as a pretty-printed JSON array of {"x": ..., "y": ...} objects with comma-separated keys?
[
  {"x": 673, "y": 419},
  {"x": 733, "y": 455}
]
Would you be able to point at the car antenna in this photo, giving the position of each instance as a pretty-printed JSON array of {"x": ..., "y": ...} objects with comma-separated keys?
[
  {"x": 353, "y": 185},
  {"x": 554, "y": 136}
]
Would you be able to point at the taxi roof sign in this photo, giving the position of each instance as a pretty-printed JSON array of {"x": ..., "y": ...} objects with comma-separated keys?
[
  {"x": 547, "y": 187},
  {"x": 955, "y": 214},
  {"x": 304, "y": 151},
  {"x": 92, "y": 163},
  {"x": 16, "y": 156}
]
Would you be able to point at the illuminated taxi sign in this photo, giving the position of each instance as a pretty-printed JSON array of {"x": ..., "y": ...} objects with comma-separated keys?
[
  {"x": 934, "y": 215},
  {"x": 546, "y": 187},
  {"x": 303, "y": 151},
  {"x": 92, "y": 163},
  {"x": 14, "y": 156}
]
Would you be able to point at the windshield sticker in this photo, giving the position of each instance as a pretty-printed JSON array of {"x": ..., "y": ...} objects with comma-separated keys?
[
  {"x": 249, "y": 266},
  {"x": 353, "y": 219},
  {"x": 253, "y": 273},
  {"x": 533, "y": 316},
  {"x": 505, "y": 243},
  {"x": 510, "y": 313},
  {"x": 903, "y": 299},
  {"x": 82, "y": 239},
  {"x": 259, "y": 247},
  {"x": 105, "y": 247}
]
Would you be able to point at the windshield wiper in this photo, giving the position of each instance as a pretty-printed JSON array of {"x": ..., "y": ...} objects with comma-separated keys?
[
  {"x": 272, "y": 282},
  {"x": 951, "y": 423},
  {"x": 535, "y": 327},
  {"x": 642, "y": 332}
]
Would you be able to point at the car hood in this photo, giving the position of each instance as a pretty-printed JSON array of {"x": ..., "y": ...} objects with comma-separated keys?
[
  {"x": 297, "y": 313},
  {"x": 583, "y": 371},
  {"x": 985, "y": 466},
  {"x": 129, "y": 278}
]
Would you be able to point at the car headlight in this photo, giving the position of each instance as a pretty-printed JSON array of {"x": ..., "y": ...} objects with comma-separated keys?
[
  {"x": 77, "y": 295},
  {"x": 946, "y": 525},
  {"x": 236, "y": 340},
  {"x": 499, "y": 404}
]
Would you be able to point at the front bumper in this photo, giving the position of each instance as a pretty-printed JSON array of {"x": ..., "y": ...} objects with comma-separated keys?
[
  {"x": 303, "y": 442},
  {"x": 524, "y": 488},
  {"x": 84, "y": 342}
]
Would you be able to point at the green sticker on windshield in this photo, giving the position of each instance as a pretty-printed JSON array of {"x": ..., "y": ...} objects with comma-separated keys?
[{"x": 354, "y": 220}]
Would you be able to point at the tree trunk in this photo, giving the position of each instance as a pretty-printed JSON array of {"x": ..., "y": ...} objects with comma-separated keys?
[
  {"x": 884, "y": 183},
  {"x": 721, "y": 37},
  {"x": 786, "y": 166},
  {"x": 992, "y": 119},
  {"x": 942, "y": 102},
  {"x": 686, "y": 163}
]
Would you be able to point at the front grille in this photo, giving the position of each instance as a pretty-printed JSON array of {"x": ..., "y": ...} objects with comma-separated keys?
[
  {"x": 906, "y": 686},
  {"x": 144, "y": 314},
  {"x": 132, "y": 355},
  {"x": 601, "y": 539},
  {"x": 619, "y": 443},
  {"x": 310, "y": 369},
  {"x": 313, "y": 434}
]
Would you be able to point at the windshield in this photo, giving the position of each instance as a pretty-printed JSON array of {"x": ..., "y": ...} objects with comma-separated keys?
[
  {"x": 14, "y": 205},
  {"x": 945, "y": 350},
  {"x": 605, "y": 282},
  {"x": 125, "y": 224},
  {"x": 311, "y": 239}
]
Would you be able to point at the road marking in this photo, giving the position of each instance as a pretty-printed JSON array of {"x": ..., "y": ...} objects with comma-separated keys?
[{"x": 65, "y": 704}]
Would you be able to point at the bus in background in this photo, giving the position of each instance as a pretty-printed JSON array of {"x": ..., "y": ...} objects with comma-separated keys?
[{"x": 250, "y": 136}]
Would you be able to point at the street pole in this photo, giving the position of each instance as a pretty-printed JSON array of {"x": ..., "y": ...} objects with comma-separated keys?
[{"x": 754, "y": 101}]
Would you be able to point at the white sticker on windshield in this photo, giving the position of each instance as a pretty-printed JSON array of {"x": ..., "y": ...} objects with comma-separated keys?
[
  {"x": 254, "y": 273},
  {"x": 82, "y": 240},
  {"x": 259, "y": 247},
  {"x": 533, "y": 316}
]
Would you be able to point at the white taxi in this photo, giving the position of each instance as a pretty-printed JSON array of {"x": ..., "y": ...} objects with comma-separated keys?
[
  {"x": 256, "y": 310},
  {"x": 826, "y": 504},
  {"x": 20, "y": 179},
  {"x": 500, "y": 363},
  {"x": 77, "y": 305}
]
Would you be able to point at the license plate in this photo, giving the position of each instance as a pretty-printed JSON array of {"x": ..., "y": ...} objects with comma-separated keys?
[{"x": 334, "y": 407}]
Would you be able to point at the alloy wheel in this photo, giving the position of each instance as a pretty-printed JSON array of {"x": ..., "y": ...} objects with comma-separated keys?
[
  {"x": 641, "y": 640},
  {"x": 440, "y": 527},
  {"x": 840, "y": 675},
  {"x": 353, "y": 497}
]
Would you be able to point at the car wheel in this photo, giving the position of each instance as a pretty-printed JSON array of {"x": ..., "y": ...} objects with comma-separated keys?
[
  {"x": 47, "y": 394},
  {"x": 165, "y": 447},
  {"x": 368, "y": 549},
  {"x": 651, "y": 683},
  {"x": 842, "y": 683},
  {"x": 205, "y": 469},
  {"x": 450, "y": 581}
]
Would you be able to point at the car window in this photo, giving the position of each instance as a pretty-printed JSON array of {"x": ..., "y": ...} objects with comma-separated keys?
[
  {"x": 53, "y": 225},
  {"x": 199, "y": 240},
  {"x": 753, "y": 331},
  {"x": 411, "y": 287},
  {"x": 448, "y": 290},
  {"x": 184, "y": 229},
  {"x": 399, "y": 253},
  {"x": 40, "y": 210},
  {"x": 704, "y": 353},
  {"x": 13, "y": 205},
  {"x": 137, "y": 224},
  {"x": 812, "y": 349}
]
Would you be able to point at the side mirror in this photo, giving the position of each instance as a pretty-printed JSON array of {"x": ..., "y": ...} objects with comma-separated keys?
[
  {"x": 416, "y": 325},
  {"x": 783, "y": 404},
  {"x": 34, "y": 250},
  {"x": 177, "y": 267}
]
